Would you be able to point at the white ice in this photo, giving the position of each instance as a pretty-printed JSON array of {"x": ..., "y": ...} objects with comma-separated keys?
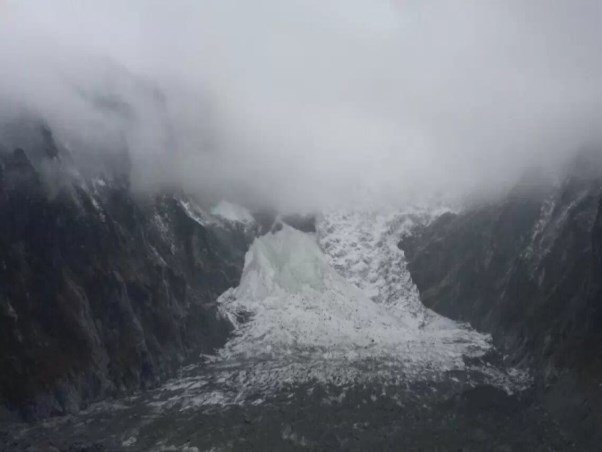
[{"x": 338, "y": 306}]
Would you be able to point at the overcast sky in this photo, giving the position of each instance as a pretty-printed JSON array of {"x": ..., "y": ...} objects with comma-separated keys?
[{"x": 306, "y": 102}]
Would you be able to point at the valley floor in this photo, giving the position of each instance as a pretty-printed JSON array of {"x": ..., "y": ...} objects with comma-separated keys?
[{"x": 442, "y": 416}]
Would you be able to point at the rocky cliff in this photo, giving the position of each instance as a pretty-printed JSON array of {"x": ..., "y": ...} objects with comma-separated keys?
[
  {"x": 101, "y": 291},
  {"x": 528, "y": 269}
]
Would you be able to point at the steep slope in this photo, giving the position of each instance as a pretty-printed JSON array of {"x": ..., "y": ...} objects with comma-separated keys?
[
  {"x": 528, "y": 270},
  {"x": 101, "y": 291}
]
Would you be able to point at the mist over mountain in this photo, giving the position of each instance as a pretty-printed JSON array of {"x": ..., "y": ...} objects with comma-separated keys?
[
  {"x": 307, "y": 104},
  {"x": 300, "y": 225}
]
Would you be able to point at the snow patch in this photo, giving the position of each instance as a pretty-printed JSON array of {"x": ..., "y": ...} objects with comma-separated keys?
[
  {"x": 232, "y": 212},
  {"x": 194, "y": 212}
]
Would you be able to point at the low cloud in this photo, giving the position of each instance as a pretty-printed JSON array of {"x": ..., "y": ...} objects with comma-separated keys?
[{"x": 306, "y": 103}]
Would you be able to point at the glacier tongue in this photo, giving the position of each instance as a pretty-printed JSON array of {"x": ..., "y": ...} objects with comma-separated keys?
[
  {"x": 337, "y": 307},
  {"x": 298, "y": 304}
]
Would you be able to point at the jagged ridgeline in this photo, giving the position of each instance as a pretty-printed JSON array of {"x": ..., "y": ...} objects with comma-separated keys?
[{"x": 101, "y": 290}]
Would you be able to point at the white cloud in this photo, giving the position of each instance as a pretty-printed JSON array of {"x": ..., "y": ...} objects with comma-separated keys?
[{"x": 305, "y": 102}]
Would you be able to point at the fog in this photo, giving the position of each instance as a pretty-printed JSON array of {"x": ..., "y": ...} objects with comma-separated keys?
[{"x": 306, "y": 104}]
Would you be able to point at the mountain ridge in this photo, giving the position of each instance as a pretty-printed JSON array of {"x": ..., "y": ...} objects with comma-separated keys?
[
  {"x": 101, "y": 291},
  {"x": 527, "y": 269}
]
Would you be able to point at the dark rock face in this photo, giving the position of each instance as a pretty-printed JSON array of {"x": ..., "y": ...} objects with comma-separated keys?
[
  {"x": 528, "y": 269},
  {"x": 101, "y": 291},
  {"x": 269, "y": 221},
  {"x": 304, "y": 223},
  {"x": 265, "y": 220}
]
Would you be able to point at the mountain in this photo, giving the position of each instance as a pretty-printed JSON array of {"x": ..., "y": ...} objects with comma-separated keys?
[
  {"x": 101, "y": 291},
  {"x": 106, "y": 289},
  {"x": 528, "y": 269}
]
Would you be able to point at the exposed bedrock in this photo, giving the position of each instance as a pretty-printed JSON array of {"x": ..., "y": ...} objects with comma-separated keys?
[
  {"x": 101, "y": 291},
  {"x": 528, "y": 269}
]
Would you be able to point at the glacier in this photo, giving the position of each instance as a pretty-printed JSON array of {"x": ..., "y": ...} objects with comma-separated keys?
[{"x": 336, "y": 307}]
